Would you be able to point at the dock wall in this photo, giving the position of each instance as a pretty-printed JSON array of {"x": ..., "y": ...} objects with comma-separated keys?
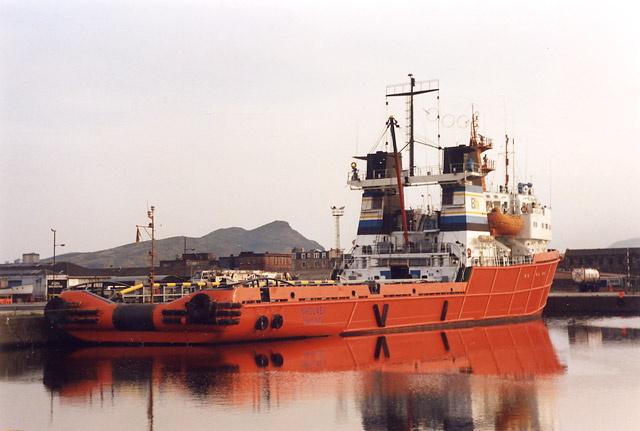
[
  {"x": 23, "y": 330},
  {"x": 605, "y": 303}
]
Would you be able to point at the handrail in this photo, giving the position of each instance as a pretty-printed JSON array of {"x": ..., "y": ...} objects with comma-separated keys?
[
  {"x": 262, "y": 282},
  {"x": 131, "y": 289}
]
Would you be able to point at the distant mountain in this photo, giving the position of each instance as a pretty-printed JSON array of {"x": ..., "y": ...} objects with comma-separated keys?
[
  {"x": 275, "y": 237},
  {"x": 631, "y": 242}
]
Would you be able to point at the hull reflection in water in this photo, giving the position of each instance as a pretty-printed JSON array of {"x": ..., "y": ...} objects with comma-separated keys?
[{"x": 399, "y": 379}]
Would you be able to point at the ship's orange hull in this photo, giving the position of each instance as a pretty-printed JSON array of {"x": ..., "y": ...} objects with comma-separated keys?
[{"x": 313, "y": 310}]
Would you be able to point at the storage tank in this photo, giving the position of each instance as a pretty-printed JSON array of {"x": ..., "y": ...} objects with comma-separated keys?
[{"x": 585, "y": 275}]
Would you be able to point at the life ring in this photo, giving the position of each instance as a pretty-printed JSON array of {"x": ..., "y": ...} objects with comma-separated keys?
[
  {"x": 524, "y": 209},
  {"x": 262, "y": 323},
  {"x": 469, "y": 252},
  {"x": 277, "y": 321}
]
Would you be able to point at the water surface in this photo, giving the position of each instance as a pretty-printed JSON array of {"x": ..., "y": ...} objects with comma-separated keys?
[{"x": 558, "y": 374}]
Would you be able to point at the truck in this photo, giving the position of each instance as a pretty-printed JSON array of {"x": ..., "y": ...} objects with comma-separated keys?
[{"x": 588, "y": 279}]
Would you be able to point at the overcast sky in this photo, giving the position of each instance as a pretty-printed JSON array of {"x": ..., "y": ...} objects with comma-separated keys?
[{"x": 238, "y": 113}]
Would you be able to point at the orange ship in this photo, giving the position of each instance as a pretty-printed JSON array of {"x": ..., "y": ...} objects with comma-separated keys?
[{"x": 408, "y": 268}]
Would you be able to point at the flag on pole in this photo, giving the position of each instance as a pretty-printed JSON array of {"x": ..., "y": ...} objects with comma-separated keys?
[{"x": 137, "y": 236}]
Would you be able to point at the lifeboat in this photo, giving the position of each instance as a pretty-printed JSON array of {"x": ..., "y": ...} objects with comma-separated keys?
[{"x": 508, "y": 225}]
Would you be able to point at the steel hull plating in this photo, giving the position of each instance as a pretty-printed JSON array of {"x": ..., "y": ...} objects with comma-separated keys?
[{"x": 288, "y": 311}]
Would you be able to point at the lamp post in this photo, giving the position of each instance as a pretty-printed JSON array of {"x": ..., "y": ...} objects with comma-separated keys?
[
  {"x": 337, "y": 212},
  {"x": 53, "y": 268}
]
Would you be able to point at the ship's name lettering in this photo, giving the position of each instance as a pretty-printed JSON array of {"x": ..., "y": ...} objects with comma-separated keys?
[
  {"x": 313, "y": 311},
  {"x": 318, "y": 320}
]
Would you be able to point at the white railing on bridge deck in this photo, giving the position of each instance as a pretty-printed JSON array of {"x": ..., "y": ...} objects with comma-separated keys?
[{"x": 500, "y": 261}]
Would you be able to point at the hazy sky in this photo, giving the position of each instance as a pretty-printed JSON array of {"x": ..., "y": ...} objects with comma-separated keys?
[{"x": 238, "y": 113}]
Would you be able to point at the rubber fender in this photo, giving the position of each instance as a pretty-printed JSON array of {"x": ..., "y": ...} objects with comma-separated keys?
[
  {"x": 134, "y": 317},
  {"x": 227, "y": 322},
  {"x": 262, "y": 360},
  {"x": 262, "y": 323},
  {"x": 445, "y": 307},
  {"x": 228, "y": 305},
  {"x": 277, "y": 321},
  {"x": 228, "y": 313},
  {"x": 56, "y": 311},
  {"x": 277, "y": 360},
  {"x": 198, "y": 307}
]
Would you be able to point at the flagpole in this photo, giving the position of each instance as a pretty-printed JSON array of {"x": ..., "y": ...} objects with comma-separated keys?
[
  {"x": 152, "y": 273},
  {"x": 150, "y": 214}
]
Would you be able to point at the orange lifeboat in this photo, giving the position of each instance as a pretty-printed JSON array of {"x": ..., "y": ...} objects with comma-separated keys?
[{"x": 508, "y": 225}]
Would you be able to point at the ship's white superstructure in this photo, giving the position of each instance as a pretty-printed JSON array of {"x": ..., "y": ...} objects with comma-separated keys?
[{"x": 471, "y": 227}]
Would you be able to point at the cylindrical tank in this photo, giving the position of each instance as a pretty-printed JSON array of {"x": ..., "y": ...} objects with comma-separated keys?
[{"x": 585, "y": 275}]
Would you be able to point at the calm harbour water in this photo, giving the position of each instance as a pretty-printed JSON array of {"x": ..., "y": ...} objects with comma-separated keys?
[{"x": 553, "y": 374}]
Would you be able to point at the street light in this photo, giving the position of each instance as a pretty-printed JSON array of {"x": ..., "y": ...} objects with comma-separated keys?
[{"x": 53, "y": 268}]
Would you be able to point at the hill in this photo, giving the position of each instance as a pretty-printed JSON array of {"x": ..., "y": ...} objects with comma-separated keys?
[
  {"x": 631, "y": 242},
  {"x": 275, "y": 237}
]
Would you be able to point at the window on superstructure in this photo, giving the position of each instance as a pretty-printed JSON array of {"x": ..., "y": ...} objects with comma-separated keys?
[
  {"x": 376, "y": 202},
  {"x": 447, "y": 196}
]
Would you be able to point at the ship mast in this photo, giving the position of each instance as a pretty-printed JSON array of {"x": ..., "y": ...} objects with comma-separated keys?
[
  {"x": 152, "y": 253},
  {"x": 409, "y": 90},
  {"x": 411, "y": 142},
  {"x": 391, "y": 123},
  {"x": 506, "y": 163},
  {"x": 481, "y": 144}
]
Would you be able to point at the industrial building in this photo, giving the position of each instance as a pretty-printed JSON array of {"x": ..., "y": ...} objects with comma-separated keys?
[{"x": 624, "y": 261}]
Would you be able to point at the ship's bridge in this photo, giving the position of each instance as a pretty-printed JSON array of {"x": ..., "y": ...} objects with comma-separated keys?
[{"x": 430, "y": 175}]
